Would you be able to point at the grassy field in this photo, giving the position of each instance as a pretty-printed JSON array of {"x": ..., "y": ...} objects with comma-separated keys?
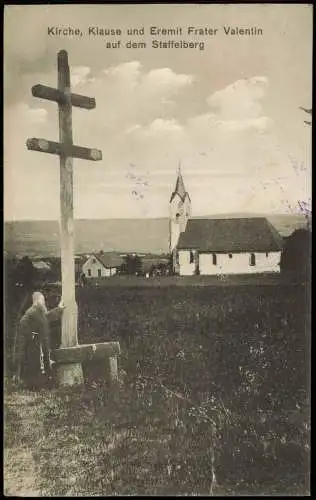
[
  {"x": 213, "y": 396},
  {"x": 268, "y": 279}
]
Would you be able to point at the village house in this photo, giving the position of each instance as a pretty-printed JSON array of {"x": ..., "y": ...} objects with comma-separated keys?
[
  {"x": 217, "y": 246},
  {"x": 101, "y": 265}
]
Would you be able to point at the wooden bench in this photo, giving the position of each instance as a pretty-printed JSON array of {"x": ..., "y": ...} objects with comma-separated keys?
[{"x": 88, "y": 353}]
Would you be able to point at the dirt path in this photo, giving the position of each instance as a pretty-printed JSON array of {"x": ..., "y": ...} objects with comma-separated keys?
[{"x": 20, "y": 471}]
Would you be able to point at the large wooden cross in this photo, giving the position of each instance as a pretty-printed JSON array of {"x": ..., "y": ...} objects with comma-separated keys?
[{"x": 70, "y": 356}]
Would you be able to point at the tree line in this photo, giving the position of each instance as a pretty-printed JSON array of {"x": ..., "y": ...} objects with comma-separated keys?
[{"x": 295, "y": 260}]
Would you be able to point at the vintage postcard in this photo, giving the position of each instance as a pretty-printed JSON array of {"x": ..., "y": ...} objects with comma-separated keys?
[{"x": 157, "y": 235}]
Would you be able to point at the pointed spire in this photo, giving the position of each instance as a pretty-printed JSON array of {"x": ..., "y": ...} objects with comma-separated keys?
[{"x": 180, "y": 188}]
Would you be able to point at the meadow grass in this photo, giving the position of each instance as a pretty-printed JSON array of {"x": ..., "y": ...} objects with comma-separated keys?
[{"x": 213, "y": 396}]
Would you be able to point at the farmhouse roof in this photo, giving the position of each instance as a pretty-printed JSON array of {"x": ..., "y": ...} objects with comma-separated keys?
[
  {"x": 109, "y": 260},
  {"x": 231, "y": 235}
]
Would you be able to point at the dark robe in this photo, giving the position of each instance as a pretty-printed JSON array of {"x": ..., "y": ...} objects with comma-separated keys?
[{"x": 32, "y": 353}]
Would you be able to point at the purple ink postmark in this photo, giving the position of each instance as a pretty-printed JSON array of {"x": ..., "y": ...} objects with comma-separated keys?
[
  {"x": 139, "y": 183},
  {"x": 305, "y": 207}
]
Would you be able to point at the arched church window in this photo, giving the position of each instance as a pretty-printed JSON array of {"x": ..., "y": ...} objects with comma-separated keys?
[
  {"x": 191, "y": 257},
  {"x": 214, "y": 257}
]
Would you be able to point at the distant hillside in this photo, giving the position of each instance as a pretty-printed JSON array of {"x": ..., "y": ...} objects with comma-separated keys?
[
  {"x": 123, "y": 235},
  {"x": 41, "y": 238}
]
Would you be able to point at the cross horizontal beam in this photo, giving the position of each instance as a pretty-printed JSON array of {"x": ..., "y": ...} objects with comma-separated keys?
[
  {"x": 55, "y": 148},
  {"x": 51, "y": 94},
  {"x": 86, "y": 352}
]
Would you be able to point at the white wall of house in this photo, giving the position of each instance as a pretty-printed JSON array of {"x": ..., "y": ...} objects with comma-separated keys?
[
  {"x": 239, "y": 263},
  {"x": 186, "y": 268},
  {"x": 93, "y": 268}
]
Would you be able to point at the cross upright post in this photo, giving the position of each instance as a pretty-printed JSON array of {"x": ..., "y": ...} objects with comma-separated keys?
[
  {"x": 70, "y": 316},
  {"x": 70, "y": 356}
]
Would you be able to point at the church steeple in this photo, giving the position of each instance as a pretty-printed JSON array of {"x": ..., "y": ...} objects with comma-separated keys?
[
  {"x": 180, "y": 210},
  {"x": 180, "y": 188}
]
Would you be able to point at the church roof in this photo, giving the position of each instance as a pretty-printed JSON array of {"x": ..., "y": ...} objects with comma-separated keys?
[
  {"x": 231, "y": 235},
  {"x": 180, "y": 188}
]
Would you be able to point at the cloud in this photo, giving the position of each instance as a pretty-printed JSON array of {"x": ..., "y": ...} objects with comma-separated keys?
[
  {"x": 80, "y": 76},
  {"x": 232, "y": 136},
  {"x": 157, "y": 128},
  {"x": 165, "y": 78},
  {"x": 261, "y": 124},
  {"x": 161, "y": 78},
  {"x": 150, "y": 109},
  {"x": 164, "y": 126},
  {"x": 228, "y": 152},
  {"x": 129, "y": 101},
  {"x": 240, "y": 100},
  {"x": 146, "y": 89},
  {"x": 129, "y": 72},
  {"x": 141, "y": 125},
  {"x": 31, "y": 115},
  {"x": 22, "y": 122}
]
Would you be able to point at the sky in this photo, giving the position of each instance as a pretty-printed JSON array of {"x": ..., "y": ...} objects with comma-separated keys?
[{"x": 228, "y": 115}]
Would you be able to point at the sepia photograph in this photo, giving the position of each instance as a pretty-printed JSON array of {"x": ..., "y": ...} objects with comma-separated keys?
[{"x": 157, "y": 249}]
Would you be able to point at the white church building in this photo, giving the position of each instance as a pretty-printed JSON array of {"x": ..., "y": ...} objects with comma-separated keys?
[{"x": 220, "y": 246}]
